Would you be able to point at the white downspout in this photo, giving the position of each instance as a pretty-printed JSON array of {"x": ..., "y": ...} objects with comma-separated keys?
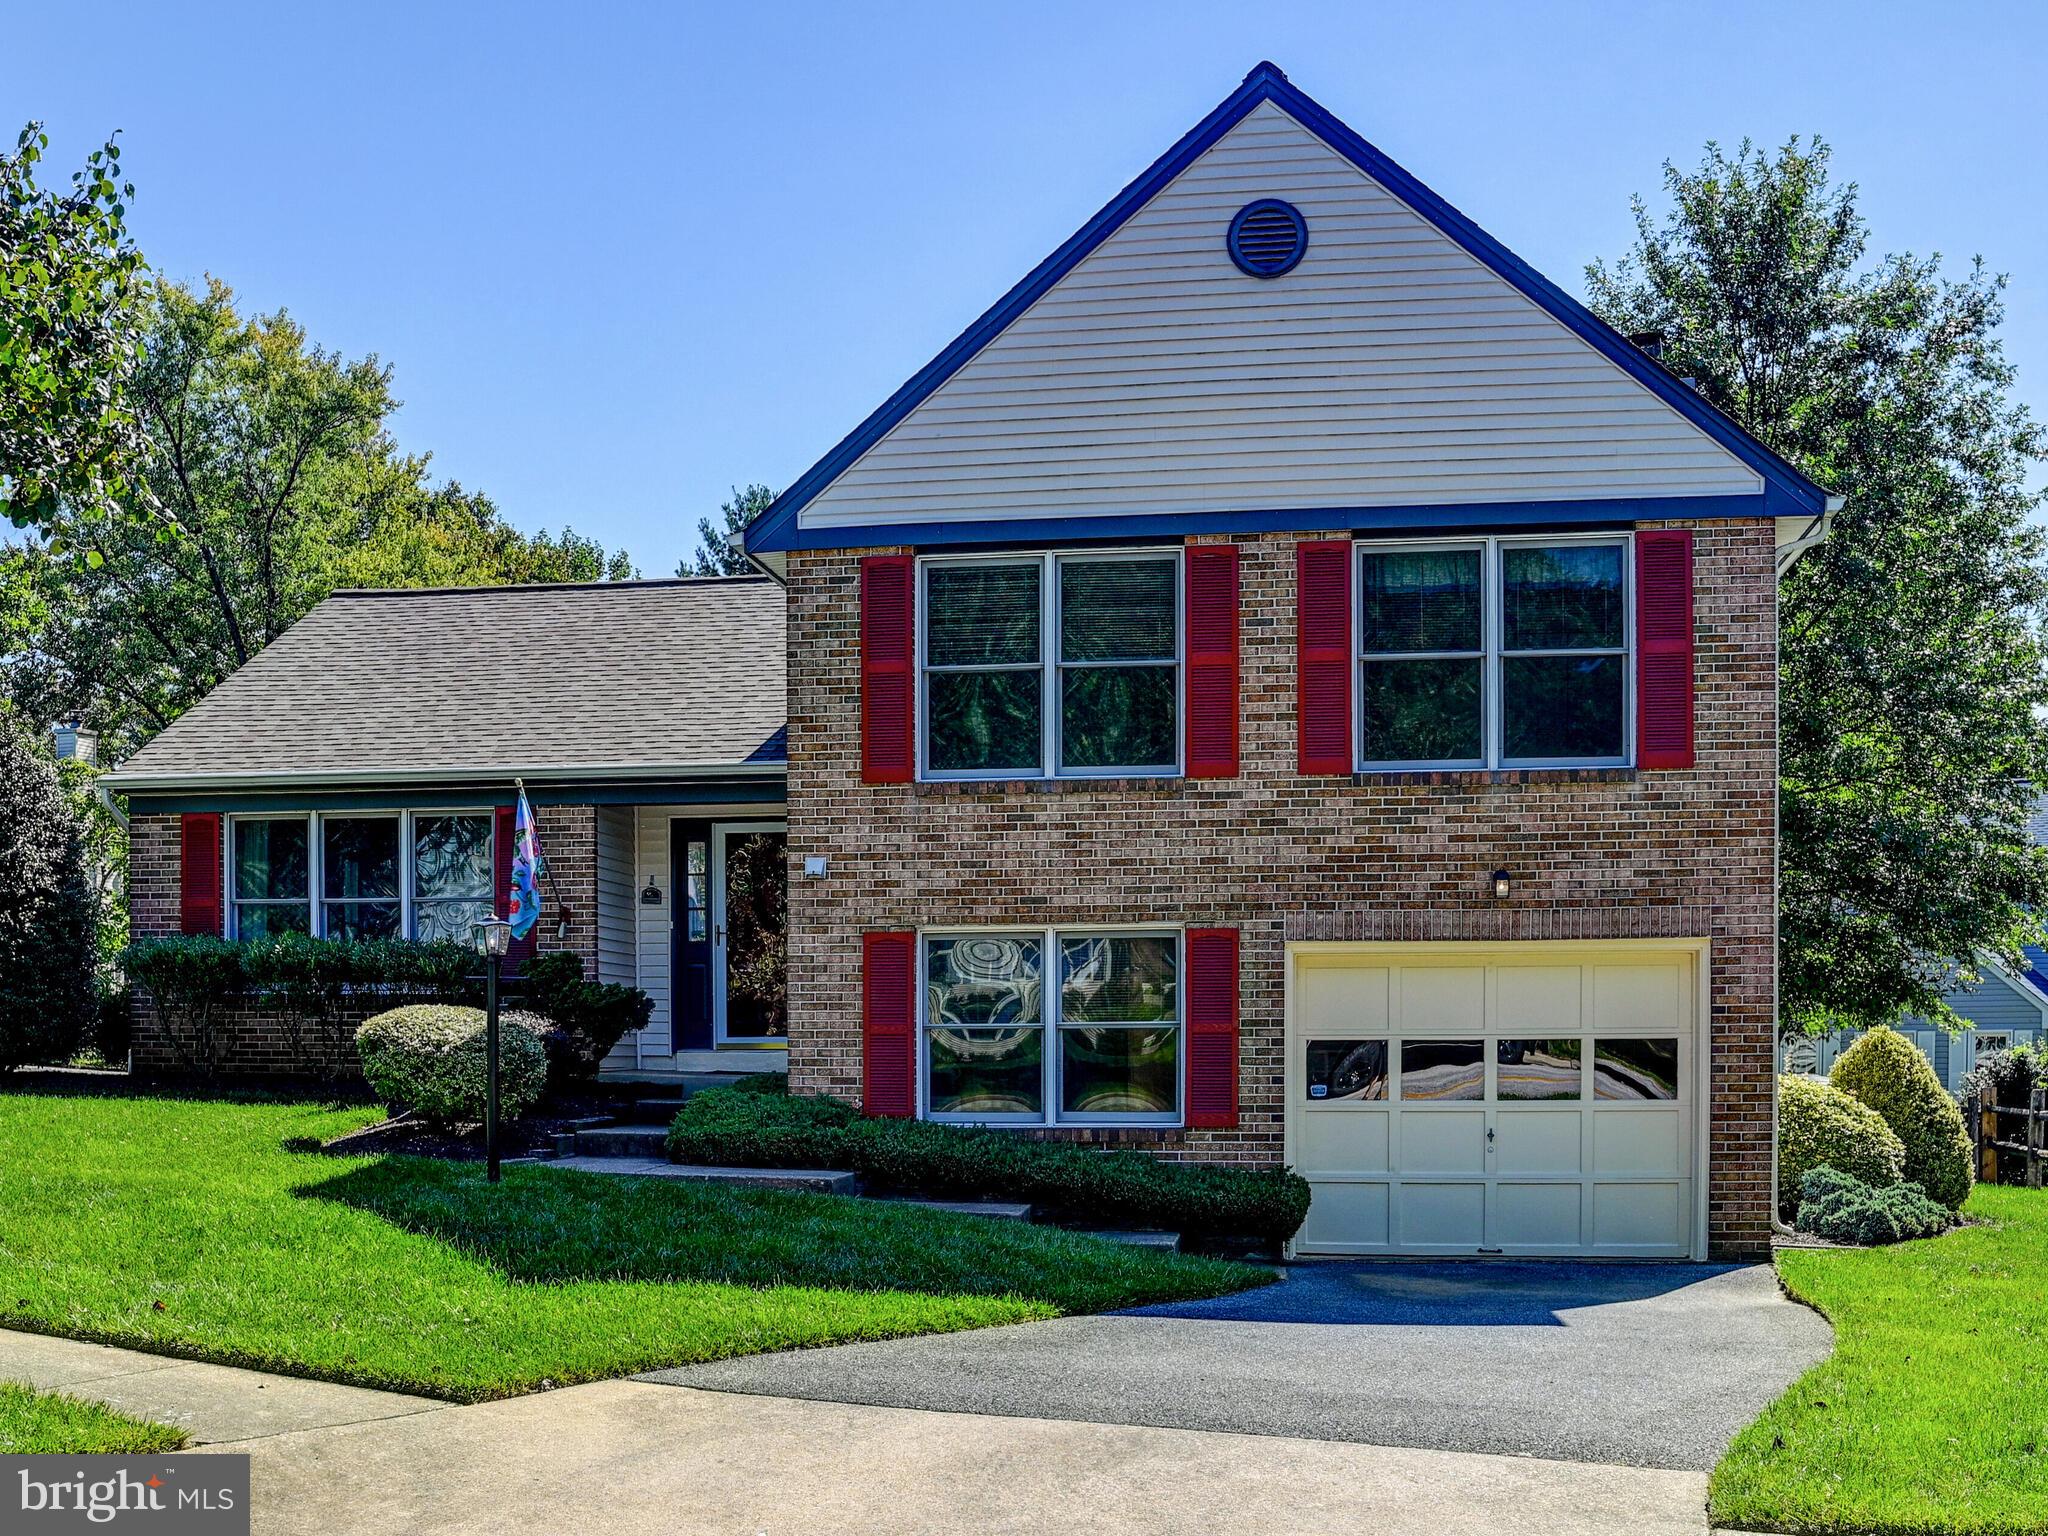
[{"x": 1787, "y": 554}]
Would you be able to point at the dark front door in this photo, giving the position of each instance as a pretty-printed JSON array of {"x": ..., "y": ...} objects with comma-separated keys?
[{"x": 689, "y": 886}]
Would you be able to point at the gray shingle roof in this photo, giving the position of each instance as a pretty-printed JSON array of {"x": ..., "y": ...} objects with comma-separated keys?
[{"x": 626, "y": 677}]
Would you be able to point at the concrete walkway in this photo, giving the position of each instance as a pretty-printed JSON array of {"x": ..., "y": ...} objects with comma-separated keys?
[
  {"x": 214, "y": 1404},
  {"x": 627, "y": 1457},
  {"x": 622, "y": 1458}
]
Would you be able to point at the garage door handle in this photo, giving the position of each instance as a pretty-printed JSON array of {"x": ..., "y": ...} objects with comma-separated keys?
[{"x": 1489, "y": 1135}]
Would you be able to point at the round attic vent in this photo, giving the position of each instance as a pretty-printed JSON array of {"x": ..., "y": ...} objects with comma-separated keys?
[{"x": 1268, "y": 237}]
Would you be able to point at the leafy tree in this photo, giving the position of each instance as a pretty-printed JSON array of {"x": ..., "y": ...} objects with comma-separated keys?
[
  {"x": 272, "y": 456},
  {"x": 70, "y": 279},
  {"x": 719, "y": 550},
  {"x": 47, "y": 908},
  {"x": 1912, "y": 684}
]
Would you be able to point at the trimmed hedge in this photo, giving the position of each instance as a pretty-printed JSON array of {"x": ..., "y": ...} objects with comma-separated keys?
[
  {"x": 588, "y": 1017},
  {"x": 430, "y": 1058},
  {"x": 1843, "y": 1209},
  {"x": 1820, "y": 1126},
  {"x": 1887, "y": 1071},
  {"x": 757, "y": 1127}
]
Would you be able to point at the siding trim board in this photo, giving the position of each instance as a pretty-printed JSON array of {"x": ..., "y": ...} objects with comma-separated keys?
[
  {"x": 1477, "y": 517},
  {"x": 777, "y": 529}
]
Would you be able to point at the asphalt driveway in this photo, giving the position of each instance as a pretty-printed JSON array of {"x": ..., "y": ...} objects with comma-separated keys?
[{"x": 1636, "y": 1365}]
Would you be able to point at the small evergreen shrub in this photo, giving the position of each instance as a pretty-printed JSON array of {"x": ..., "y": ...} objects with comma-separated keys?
[
  {"x": 430, "y": 1058},
  {"x": 589, "y": 1017},
  {"x": 1843, "y": 1209},
  {"x": 49, "y": 913},
  {"x": 1819, "y": 1126},
  {"x": 1887, "y": 1072},
  {"x": 764, "y": 1128},
  {"x": 192, "y": 981}
]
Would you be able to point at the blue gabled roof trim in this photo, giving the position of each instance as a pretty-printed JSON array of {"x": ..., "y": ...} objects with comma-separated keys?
[
  {"x": 1790, "y": 491},
  {"x": 1415, "y": 518}
]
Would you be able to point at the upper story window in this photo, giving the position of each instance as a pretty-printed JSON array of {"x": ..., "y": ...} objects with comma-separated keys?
[
  {"x": 1038, "y": 666},
  {"x": 424, "y": 874},
  {"x": 1494, "y": 652}
]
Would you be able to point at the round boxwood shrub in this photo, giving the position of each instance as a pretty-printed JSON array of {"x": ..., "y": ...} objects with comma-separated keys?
[
  {"x": 1886, "y": 1071},
  {"x": 429, "y": 1058},
  {"x": 1819, "y": 1126}
]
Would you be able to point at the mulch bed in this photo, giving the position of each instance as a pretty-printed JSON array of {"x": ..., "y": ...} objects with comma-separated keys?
[{"x": 535, "y": 1131}]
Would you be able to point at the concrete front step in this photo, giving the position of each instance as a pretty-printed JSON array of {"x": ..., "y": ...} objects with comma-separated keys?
[
  {"x": 814, "y": 1181},
  {"x": 1170, "y": 1241},
  {"x": 617, "y": 1141},
  {"x": 1001, "y": 1210}
]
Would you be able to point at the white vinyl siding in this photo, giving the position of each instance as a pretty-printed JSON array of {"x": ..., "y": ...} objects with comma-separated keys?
[
  {"x": 616, "y": 895},
  {"x": 1391, "y": 367},
  {"x": 651, "y": 923}
]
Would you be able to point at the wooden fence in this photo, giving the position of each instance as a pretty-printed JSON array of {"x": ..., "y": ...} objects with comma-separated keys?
[{"x": 1988, "y": 1118}]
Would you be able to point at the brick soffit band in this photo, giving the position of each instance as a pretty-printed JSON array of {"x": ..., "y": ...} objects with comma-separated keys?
[{"x": 1383, "y": 925}]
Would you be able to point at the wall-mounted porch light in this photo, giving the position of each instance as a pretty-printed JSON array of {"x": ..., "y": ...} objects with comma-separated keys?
[{"x": 1500, "y": 884}]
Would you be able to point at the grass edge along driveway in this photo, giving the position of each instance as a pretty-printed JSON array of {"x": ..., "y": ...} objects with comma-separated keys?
[
  {"x": 1931, "y": 1415},
  {"x": 184, "y": 1226},
  {"x": 36, "y": 1423}
]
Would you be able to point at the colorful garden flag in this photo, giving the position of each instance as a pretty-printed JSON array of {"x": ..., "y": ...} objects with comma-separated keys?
[{"x": 523, "y": 899}]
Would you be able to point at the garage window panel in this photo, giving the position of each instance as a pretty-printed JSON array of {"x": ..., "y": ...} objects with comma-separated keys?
[
  {"x": 1348, "y": 1069},
  {"x": 1053, "y": 1026},
  {"x": 1636, "y": 1068},
  {"x": 1496, "y": 652}
]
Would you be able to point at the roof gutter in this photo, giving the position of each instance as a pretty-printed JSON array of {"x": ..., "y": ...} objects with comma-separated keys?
[
  {"x": 123, "y": 783},
  {"x": 1815, "y": 532}
]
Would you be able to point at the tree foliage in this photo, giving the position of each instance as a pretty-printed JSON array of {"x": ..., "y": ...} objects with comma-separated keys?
[
  {"x": 273, "y": 458},
  {"x": 48, "y": 948},
  {"x": 1912, "y": 684},
  {"x": 720, "y": 551},
  {"x": 70, "y": 278}
]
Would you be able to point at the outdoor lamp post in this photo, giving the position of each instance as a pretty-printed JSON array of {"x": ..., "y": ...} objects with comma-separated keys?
[{"x": 493, "y": 939}]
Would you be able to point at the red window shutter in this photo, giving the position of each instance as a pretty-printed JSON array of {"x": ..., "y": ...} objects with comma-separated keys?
[
  {"x": 504, "y": 828},
  {"x": 1322, "y": 637},
  {"x": 1212, "y": 1027},
  {"x": 887, "y": 669},
  {"x": 199, "y": 875},
  {"x": 889, "y": 1024},
  {"x": 1212, "y": 661},
  {"x": 1664, "y": 726}
]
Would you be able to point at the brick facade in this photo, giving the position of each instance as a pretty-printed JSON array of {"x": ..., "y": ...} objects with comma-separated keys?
[
  {"x": 1608, "y": 853},
  {"x": 261, "y": 1042}
]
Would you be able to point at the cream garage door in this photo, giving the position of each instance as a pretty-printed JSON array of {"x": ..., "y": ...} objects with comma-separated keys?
[{"x": 1535, "y": 1099}]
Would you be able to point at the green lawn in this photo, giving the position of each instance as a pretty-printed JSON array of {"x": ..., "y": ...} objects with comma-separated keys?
[
  {"x": 48, "y": 1423},
  {"x": 1931, "y": 1415},
  {"x": 184, "y": 1226}
]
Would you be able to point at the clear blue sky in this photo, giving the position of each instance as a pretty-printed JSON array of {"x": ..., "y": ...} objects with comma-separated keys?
[{"x": 627, "y": 256}]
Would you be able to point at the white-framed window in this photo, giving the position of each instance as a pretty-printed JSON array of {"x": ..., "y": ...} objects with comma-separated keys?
[
  {"x": 269, "y": 876},
  {"x": 360, "y": 874},
  {"x": 1049, "y": 665},
  {"x": 1051, "y": 1026},
  {"x": 1499, "y": 652}
]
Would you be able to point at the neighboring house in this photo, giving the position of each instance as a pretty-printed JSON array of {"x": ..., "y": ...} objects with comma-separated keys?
[
  {"x": 2003, "y": 1010},
  {"x": 2006, "y": 1008},
  {"x": 1287, "y": 685}
]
